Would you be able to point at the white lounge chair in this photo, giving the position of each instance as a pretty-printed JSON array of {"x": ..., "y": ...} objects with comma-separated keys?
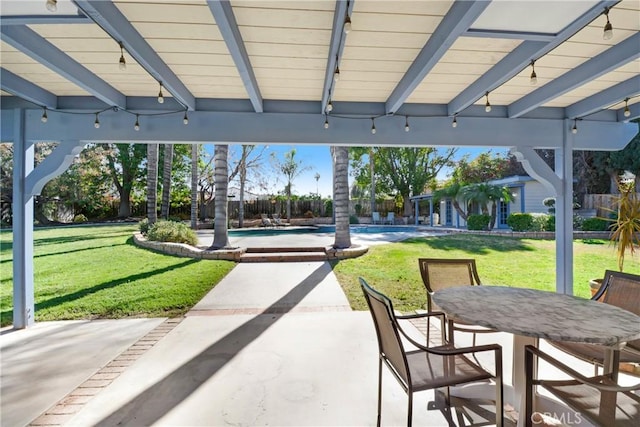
[
  {"x": 390, "y": 218},
  {"x": 375, "y": 218}
]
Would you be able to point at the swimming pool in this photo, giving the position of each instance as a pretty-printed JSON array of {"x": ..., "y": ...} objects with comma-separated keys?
[{"x": 322, "y": 229}]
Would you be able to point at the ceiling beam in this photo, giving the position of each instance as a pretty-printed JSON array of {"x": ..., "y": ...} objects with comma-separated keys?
[
  {"x": 32, "y": 44},
  {"x": 44, "y": 19},
  {"x": 336, "y": 46},
  {"x": 457, "y": 20},
  {"x": 520, "y": 58},
  {"x": 112, "y": 21},
  {"x": 616, "y": 93},
  {"x": 24, "y": 89},
  {"x": 505, "y": 34},
  {"x": 607, "y": 61},
  {"x": 226, "y": 21}
]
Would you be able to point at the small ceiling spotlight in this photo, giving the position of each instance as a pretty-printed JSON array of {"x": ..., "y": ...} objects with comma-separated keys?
[
  {"x": 626, "y": 112},
  {"x": 336, "y": 74},
  {"x": 123, "y": 62},
  {"x": 574, "y": 129},
  {"x": 329, "y": 107},
  {"x": 137, "y": 125},
  {"x": 373, "y": 126},
  {"x": 487, "y": 105},
  {"x": 608, "y": 28},
  {"x": 185, "y": 120},
  {"x": 326, "y": 122},
  {"x": 406, "y": 124},
  {"x": 44, "y": 117},
  {"x": 160, "y": 96},
  {"x": 347, "y": 24},
  {"x": 96, "y": 124},
  {"x": 52, "y": 5},
  {"x": 454, "y": 123},
  {"x": 534, "y": 77}
]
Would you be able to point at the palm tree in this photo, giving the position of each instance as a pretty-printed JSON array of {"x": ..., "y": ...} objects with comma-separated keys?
[
  {"x": 453, "y": 192},
  {"x": 341, "y": 196},
  {"x": 152, "y": 183},
  {"x": 166, "y": 180},
  {"x": 291, "y": 169},
  {"x": 194, "y": 186},
  {"x": 483, "y": 194},
  {"x": 221, "y": 232}
]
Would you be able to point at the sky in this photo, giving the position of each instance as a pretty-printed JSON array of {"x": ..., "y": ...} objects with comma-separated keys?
[{"x": 318, "y": 159}]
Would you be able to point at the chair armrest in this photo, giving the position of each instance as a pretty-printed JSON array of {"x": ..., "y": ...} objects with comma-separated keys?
[{"x": 438, "y": 314}]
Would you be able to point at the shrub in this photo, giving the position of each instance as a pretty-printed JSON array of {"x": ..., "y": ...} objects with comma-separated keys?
[
  {"x": 170, "y": 231},
  {"x": 328, "y": 208},
  {"x": 144, "y": 226},
  {"x": 540, "y": 221},
  {"x": 308, "y": 214},
  {"x": 595, "y": 224},
  {"x": 551, "y": 223},
  {"x": 520, "y": 221},
  {"x": 80, "y": 218},
  {"x": 478, "y": 222},
  {"x": 353, "y": 219}
]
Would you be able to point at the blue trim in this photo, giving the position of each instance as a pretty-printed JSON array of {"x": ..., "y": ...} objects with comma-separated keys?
[
  {"x": 459, "y": 18},
  {"x": 509, "y": 34},
  {"x": 44, "y": 19},
  {"x": 614, "y": 57},
  {"x": 226, "y": 21},
  {"x": 614, "y": 94},
  {"x": 26, "y": 90},
  {"x": 107, "y": 15},
  {"x": 38, "y": 48},
  {"x": 336, "y": 46}
]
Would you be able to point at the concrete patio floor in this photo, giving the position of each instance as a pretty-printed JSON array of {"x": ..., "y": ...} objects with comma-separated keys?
[{"x": 271, "y": 344}]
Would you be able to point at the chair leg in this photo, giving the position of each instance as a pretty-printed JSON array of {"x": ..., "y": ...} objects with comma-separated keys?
[
  {"x": 379, "y": 391},
  {"x": 410, "y": 408}
]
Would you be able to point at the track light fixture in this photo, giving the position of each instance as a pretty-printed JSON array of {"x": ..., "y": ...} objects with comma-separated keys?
[
  {"x": 185, "y": 119},
  {"x": 123, "y": 62},
  {"x": 96, "y": 124},
  {"x": 44, "y": 117},
  {"x": 406, "y": 124},
  {"x": 373, "y": 126},
  {"x": 534, "y": 77},
  {"x": 454, "y": 123},
  {"x": 608, "y": 28},
  {"x": 487, "y": 105},
  {"x": 347, "y": 24},
  {"x": 160, "y": 96},
  {"x": 574, "y": 129},
  {"x": 626, "y": 112},
  {"x": 137, "y": 125},
  {"x": 326, "y": 122},
  {"x": 52, "y": 5}
]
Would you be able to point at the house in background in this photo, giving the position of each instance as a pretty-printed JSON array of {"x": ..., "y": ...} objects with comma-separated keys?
[{"x": 527, "y": 196}]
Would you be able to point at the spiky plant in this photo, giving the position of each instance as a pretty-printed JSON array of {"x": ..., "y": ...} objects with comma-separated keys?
[{"x": 626, "y": 227}]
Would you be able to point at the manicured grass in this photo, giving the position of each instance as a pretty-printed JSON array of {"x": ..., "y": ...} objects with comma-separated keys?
[
  {"x": 97, "y": 272},
  {"x": 505, "y": 261}
]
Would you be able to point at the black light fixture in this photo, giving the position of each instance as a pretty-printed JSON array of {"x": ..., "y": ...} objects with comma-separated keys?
[
  {"x": 160, "y": 96},
  {"x": 96, "y": 124},
  {"x": 608, "y": 28},
  {"x": 406, "y": 124},
  {"x": 123, "y": 62},
  {"x": 52, "y": 5},
  {"x": 326, "y": 122},
  {"x": 185, "y": 119},
  {"x": 626, "y": 112},
  {"x": 487, "y": 105},
  {"x": 574, "y": 129},
  {"x": 534, "y": 77},
  {"x": 44, "y": 117},
  {"x": 373, "y": 126},
  {"x": 454, "y": 123},
  {"x": 137, "y": 125}
]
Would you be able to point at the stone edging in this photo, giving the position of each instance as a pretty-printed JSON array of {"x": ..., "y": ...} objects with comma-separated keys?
[{"x": 184, "y": 250}]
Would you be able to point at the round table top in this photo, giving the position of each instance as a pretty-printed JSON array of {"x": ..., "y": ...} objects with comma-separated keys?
[{"x": 534, "y": 313}]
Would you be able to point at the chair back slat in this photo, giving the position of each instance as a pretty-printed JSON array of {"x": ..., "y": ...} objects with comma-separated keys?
[
  {"x": 623, "y": 290},
  {"x": 389, "y": 342}
]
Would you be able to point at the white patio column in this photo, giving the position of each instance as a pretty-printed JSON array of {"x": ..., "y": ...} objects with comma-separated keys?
[
  {"x": 23, "y": 161},
  {"x": 564, "y": 213}
]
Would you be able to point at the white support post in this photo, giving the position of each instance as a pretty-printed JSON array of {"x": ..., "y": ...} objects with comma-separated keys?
[
  {"x": 23, "y": 163},
  {"x": 564, "y": 213}
]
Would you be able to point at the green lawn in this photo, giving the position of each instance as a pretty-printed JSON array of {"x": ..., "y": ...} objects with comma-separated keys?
[
  {"x": 97, "y": 272},
  {"x": 504, "y": 261}
]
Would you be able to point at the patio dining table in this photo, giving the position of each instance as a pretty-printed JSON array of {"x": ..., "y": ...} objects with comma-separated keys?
[{"x": 531, "y": 314}]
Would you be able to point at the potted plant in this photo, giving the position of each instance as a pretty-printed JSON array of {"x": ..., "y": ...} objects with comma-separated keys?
[{"x": 625, "y": 228}]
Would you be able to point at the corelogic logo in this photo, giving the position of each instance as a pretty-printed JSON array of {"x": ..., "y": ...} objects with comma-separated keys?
[{"x": 563, "y": 418}]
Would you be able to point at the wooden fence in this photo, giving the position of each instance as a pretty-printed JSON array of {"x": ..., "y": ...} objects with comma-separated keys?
[{"x": 604, "y": 204}]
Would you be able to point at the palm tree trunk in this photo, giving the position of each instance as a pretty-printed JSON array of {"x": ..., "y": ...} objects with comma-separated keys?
[
  {"x": 373, "y": 180},
  {"x": 166, "y": 180},
  {"x": 220, "y": 234},
  {"x": 152, "y": 183},
  {"x": 194, "y": 186},
  {"x": 341, "y": 196}
]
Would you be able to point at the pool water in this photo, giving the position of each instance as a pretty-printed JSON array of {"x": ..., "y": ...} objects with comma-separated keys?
[{"x": 357, "y": 229}]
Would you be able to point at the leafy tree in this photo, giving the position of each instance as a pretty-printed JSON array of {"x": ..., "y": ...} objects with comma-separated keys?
[
  {"x": 291, "y": 169},
  {"x": 483, "y": 168},
  {"x": 124, "y": 162},
  {"x": 249, "y": 161}
]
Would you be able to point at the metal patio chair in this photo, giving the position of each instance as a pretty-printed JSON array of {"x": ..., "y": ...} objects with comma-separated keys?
[
  {"x": 441, "y": 273},
  {"x": 425, "y": 368}
]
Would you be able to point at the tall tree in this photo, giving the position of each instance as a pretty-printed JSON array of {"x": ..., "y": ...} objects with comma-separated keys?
[
  {"x": 221, "y": 234},
  {"x": 340, "y": 157},
  {"x": 194, "y": 186},
  {"x": 250, "y": 160},
  {"x": 166, "y": 180},
  {"x": 124, "y": 161},
  {"x": 152, "y": 183},
  {"x": 291, "y": 169}
]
